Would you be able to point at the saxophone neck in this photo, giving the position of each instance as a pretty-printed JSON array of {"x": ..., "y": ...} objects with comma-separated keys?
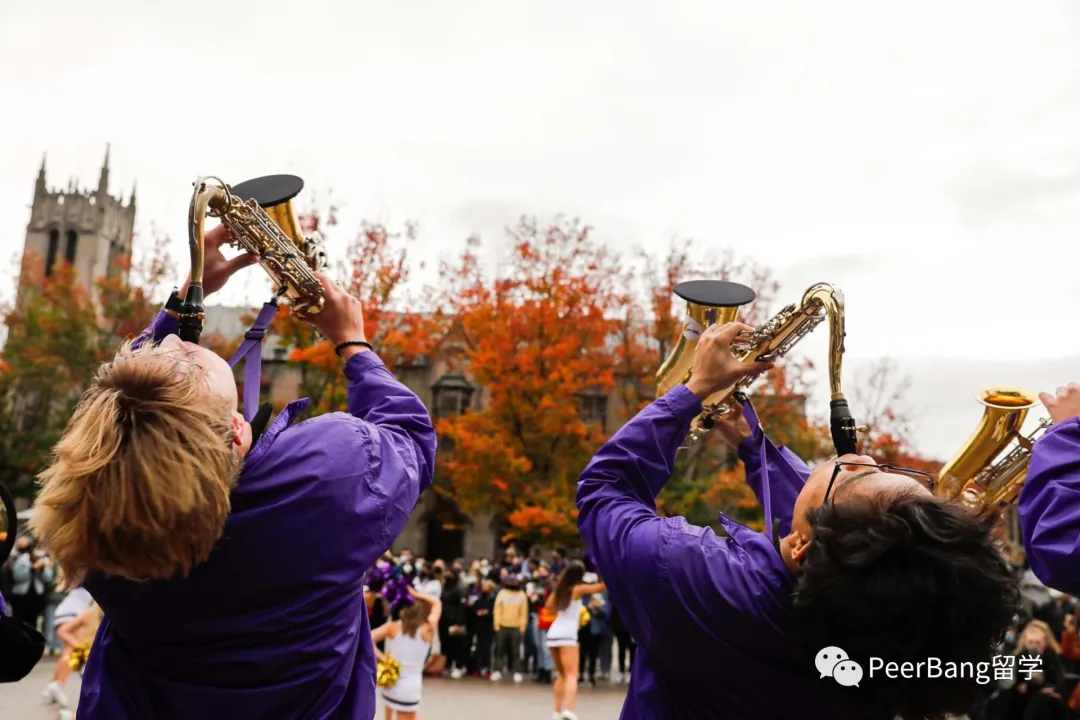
[
  {"x": 824, "y": 298},
  {"x": 192, "y": 313},
  {"x": 827, "y": 299}
]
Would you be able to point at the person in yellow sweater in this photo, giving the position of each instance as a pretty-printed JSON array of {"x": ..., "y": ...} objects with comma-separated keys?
[{"x": 511, "y": 619}]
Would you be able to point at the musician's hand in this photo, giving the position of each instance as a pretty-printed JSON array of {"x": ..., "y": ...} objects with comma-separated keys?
[
  {"x": 715, "y": 368},
  {"x": 1064, "y": 405},
  {"x": 733, "y": 431},
  {"x": 342, "y": 316},
  {"x": 216, "y": 269}
]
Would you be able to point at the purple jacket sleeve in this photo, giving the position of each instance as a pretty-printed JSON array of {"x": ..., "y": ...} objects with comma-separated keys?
[
  {"x": 1049, "y": 508},
  {"x": 785, "y": 472},
  {"x": 401, "y": 458},
  {"x": 161, "y": 326},
  {"x": 653, "y": 566}
]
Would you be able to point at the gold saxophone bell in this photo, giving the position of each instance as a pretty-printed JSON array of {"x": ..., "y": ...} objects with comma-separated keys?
[
  {"x": 710, "y": 302},
  {"x": 975, "y": 477},
  {"x": 260, "y": 219}
]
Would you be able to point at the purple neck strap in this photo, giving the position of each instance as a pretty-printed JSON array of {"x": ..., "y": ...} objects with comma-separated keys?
[
  {"x": 754, "y": 423},
  {"x": 251, "y": 351}
]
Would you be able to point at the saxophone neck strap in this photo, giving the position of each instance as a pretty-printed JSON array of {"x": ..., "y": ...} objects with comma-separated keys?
[
  {"x": 758, "y": 434},
  {"x": 250, "y": 352}
]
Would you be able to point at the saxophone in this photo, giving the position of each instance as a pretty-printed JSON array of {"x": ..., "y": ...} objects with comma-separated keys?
[
  {"x": 975, "y": 477},
  {"x": 714, "y": 302},
  {"x": 265, "y": 225}
]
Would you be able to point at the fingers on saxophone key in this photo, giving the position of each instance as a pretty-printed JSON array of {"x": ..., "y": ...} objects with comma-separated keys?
[
  {"x": 727, "y": 333},
  {"x": 217, "y": 237}
]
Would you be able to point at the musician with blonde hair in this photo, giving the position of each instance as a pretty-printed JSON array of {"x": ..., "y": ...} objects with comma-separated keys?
[{"x": 251, "y": 538}]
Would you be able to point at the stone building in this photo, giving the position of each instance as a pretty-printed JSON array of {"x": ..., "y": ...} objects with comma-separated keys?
[{"x": 89, "y": 228}]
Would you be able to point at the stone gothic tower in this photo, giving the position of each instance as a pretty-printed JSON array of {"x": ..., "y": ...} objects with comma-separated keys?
[{"x": 87, "y": 228}]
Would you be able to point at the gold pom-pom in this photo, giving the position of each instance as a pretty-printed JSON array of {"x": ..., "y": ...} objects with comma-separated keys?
[
  {"x": 387, "y": 672},
  {"x": 77, "y": 659},
  {"x": 584, "y": 617}
]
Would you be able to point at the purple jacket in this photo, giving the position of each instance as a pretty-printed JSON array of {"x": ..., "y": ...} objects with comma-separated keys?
[
  {"x": 274, "y": 625},
  {"x": 1049, "y": 508},
  {"x": 708, "y": 612}
]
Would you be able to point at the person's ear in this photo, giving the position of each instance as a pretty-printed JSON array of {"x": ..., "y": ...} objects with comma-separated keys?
[
  {"x": 241, "y": 433},
  {"x": 799, "y": 545}
]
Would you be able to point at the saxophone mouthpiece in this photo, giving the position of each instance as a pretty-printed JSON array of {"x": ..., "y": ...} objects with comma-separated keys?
[
  {"x": 842, "y": 425},
  {"x": 192, "y": 314}
]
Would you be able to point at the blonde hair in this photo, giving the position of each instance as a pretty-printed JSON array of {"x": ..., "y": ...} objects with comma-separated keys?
[
  {"x": 139, "y": 484},
  {"x": 1047, "y": 633}
]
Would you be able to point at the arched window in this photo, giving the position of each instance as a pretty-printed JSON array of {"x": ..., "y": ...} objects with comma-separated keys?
[
  {"x": 72, "y": 242},
  {"x": 54, "y": 248}
]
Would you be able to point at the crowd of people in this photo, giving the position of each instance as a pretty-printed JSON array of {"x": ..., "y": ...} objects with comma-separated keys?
[{"x": 519, "y": 617}]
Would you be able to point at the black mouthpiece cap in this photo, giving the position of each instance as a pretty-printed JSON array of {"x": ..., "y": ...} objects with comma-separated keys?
[
  {"x": 269, "y": 190},
  {"x": 715, "y": 293}
]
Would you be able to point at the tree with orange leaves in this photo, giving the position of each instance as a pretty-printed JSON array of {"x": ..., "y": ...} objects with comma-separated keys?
[
  {"x": 375, "y": 270},
  {"x": 536, "y": 336},
  {"x": 58, "y": 334}
]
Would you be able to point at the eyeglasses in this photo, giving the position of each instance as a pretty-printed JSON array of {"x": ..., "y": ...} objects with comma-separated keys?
[{"x": 925, "y": 478}]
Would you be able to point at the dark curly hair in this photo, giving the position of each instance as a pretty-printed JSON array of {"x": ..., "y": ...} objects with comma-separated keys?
[{"x": 904, "y": 579}]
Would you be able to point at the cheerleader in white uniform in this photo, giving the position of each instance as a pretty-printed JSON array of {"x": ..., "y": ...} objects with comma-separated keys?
[
  {"x": 408, "y": 641},
  {"x": 77, "y": 602},
  {"x": 562, "y": 636}
]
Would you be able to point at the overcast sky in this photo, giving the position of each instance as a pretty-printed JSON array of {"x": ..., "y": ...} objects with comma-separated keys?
[{"x": 924, "y": 156}]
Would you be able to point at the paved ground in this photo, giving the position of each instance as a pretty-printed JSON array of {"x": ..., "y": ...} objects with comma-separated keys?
[{"x": 443, "y": 699}]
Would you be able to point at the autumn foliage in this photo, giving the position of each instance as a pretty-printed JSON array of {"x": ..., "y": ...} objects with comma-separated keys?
[
  {"x": 535, "y": 335},
  {"x": 561, "y": 342},
  {"x": 375, "y": 269},
  {"x": 57, "y": 337}
]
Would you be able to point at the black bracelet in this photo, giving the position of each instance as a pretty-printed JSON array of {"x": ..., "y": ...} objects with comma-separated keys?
[{"x": 349, "y": 343}]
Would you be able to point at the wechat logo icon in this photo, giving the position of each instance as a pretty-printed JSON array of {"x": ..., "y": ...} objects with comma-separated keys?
[{"x": 834, "y": 662}]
